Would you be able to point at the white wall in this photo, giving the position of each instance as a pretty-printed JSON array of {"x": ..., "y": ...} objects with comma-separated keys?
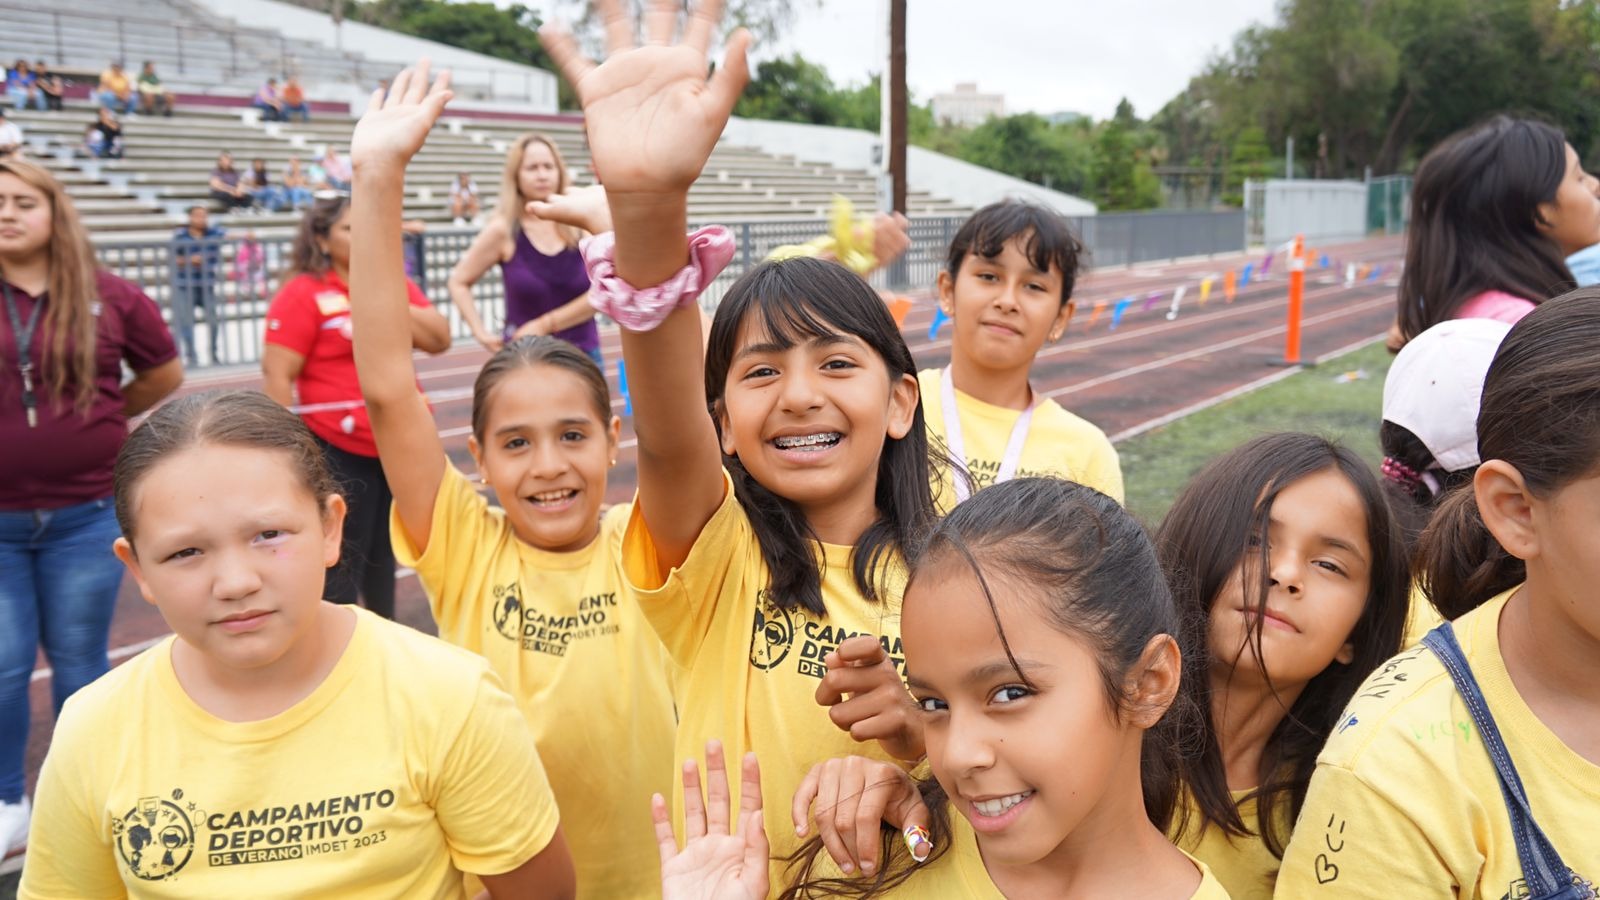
[
  {"x": 1319, "y": 210},
  {"x": 469, "y": 70},
  {"x": 926, "y": 170}
]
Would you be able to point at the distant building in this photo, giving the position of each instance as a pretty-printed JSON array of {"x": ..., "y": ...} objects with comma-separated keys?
[
  {"x": 1065, "y": 118},
  {"x": 965, "y": 106}
]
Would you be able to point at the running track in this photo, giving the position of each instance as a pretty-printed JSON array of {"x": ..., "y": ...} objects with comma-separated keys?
[{"x": 1147, "y": 372}]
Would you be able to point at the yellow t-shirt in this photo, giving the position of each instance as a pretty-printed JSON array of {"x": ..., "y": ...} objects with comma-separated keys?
[
  {"x": 749, "y": 670},
  {"x": 1243, "y": 865},
  {"x": 586, "y": 670},
  {"x": 407, "y": 766},
  {"x": 959, "y": 874},
  {"x": 1059, "y": 443},
  {"x": 1405, "y": 803}
]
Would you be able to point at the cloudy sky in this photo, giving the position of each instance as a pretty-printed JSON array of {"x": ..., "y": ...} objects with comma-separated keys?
[{"x": 1043, "y": 55}]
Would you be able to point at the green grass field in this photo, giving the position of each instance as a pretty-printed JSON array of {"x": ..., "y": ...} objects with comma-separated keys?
[{"x": 1325, "y": 400}]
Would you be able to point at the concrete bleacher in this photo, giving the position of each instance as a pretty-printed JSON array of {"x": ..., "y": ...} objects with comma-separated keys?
[{"x": 167, "y": 162}]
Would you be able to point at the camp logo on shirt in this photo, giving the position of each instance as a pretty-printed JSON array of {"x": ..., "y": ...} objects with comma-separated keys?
[
  {"x": 540, "y": 632},
  {"x": 1519, "y": 888},
  {"x": 776, "y": 631},
  {"x": 156, "y": 837}
]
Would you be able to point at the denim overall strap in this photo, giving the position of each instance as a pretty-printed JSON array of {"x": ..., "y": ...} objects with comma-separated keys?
[{"x": 1546, "y": 876}]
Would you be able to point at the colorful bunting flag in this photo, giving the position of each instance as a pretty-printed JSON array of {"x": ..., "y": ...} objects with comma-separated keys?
[
  {"x": 1151, "y": 301},
  {"x": 939, "y": 318},
  {"x": 1118, "y": 310},
  {"x": 1205, "y": 289},
  {"x": 898, "y": 307},
  {"x": 1099, "y": 307},
  {"x": 622, "y": 387},
  {"x": 1177, "y": 300},
  {"x": 1244, "y": 277},
  {"x": 1230, "y": 286}
]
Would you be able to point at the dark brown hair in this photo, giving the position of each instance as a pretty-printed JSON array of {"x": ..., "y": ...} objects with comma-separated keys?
[
  {"x": 306, "y": 256},
  {"x": 1097, "y": 579},
  {"x": 540, "y": 350},
  {"x": 1475, "y": 220},
  {"x": 231, "y": 418},
  {"x": 1208, "y": 534},
  {"x": 1540, "y": 413},
  {"x": 1046, "y": 235},
  {"x": 795, "y": 300}
]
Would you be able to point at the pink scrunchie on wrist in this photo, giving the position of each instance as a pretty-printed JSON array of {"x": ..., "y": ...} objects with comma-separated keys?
[{"x": 636, "y": 309}]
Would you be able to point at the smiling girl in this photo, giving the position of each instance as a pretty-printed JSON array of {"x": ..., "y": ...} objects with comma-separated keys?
[
  {"x": 766, "y": 541},
  {"x": 535, "y": 586},
  {"x": 1287, "y": 549},
  {"x": 358, "y": 757}
]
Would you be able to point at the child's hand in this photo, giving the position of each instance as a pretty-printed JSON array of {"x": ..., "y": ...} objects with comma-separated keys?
[
  {"x": 879, "y": 709},
  {"x": 651, "y": 115},
  {"x": 394, "y": 126},
  {"x": 889, "y": 237},
  {"x": 714, "y": 864},
  {"x": 847, "y": 798},
  {"x": 583, "y": 207}
]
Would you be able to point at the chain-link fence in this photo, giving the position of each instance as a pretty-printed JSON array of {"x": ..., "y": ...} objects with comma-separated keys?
[{"x": 221, "y": 302}]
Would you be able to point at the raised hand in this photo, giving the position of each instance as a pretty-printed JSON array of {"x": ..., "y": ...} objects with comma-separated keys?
[
  {"x": 878, "y": 707},
  {"x": 394, "y": 126},
  {"x": 651, "y": 114},
  {"x": 848, "y": 798},
  {"x": 714, "y": 864}
]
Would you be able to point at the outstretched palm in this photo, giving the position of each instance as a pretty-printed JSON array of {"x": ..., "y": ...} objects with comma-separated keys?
[
  {"x": 651, "y": 114},
  {"x": 395, "y": 125},
  {"x": 718, "y": 867},
  {"x": 714, "y": 864}
]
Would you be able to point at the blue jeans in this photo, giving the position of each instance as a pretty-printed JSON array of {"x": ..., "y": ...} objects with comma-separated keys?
[
  {"x": 58, "y": 583},
  {"x": 111, "y": 101}
]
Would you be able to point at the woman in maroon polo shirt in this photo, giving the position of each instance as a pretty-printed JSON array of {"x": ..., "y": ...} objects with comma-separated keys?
[
  {"x": 308, "y": 351},
  {"x": 65, "y": 332}
]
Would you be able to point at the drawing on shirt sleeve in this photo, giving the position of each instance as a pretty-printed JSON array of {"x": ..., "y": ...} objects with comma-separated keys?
[
  {"x": 1326, "y": 869},
  {"x": 1392, "y": 675}
]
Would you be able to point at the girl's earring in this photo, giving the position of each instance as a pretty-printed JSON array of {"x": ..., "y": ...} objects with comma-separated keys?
[{"x": 613, "y": 463}]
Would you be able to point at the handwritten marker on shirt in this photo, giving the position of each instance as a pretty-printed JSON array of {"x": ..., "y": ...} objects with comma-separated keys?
[
  {"x": 939, "y": 319},
  {"x": 1230, "y": 285},
  {"x": 1099, "y": 307},
  {"x": 622, "y": 387},
  {"x": 1205, "y": 289},
  {"x": 1177, "y": 301},
  {"x": 1118, "y": 310},
  {"x": 1151, "y": 301}
]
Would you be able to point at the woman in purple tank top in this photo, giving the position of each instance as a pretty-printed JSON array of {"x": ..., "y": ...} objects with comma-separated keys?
[{"x": 547, "y": 287}]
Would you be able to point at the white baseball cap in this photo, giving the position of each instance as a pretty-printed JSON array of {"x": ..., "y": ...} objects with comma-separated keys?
[{"x": 1436, "y": 383}]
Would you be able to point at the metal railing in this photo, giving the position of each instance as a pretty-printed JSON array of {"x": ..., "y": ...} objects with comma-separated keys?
[{"x": 231, "y": 293}]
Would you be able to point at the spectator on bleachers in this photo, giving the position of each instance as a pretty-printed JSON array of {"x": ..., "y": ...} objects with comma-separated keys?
[
  {"x": 196, "y": 252},
  {"x": 269, "y": 101},
  {"x": 335, "y": 169},
  {"x": 227, "y": 185},
  {"x": 103, "y": 138},
  {"x": 22, "y": 86},
  {"x": 464, "y": 200},
  {"x": 267, "y": 195},
  {"x": 49, "y": 85},
  {"x": 115, "y": 91},
  {"x": 60, "y": 432},
  {"x": 153, "y": 95},
  {"x": 294, "y": 101},
  {"x": 297, "y": 184},
  {"x": 10, "y": 136}
]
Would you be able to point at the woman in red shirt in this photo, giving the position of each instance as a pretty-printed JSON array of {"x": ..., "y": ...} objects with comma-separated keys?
[
  {"x": 308, "y": 352},
  {"x": 66, "y": 330}
]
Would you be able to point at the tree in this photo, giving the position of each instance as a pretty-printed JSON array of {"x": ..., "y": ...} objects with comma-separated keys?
[
  {"x": 1123, "y": 178},
  {"x": 790, "y": 89}
]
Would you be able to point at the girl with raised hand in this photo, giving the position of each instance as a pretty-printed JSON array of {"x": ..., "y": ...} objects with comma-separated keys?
[
  {"x": 1495, "y": 211},
  {"x": 1469, "y": 767},
  {"x": 1007, "y": 288},
  {"x": 769, "y": 533},
  {"x": 1042, "y": 647},
  {"x": 277, "y": 736},
  {"x": 535, "y": 586},
  {"x": 1286, "y": 549}
]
